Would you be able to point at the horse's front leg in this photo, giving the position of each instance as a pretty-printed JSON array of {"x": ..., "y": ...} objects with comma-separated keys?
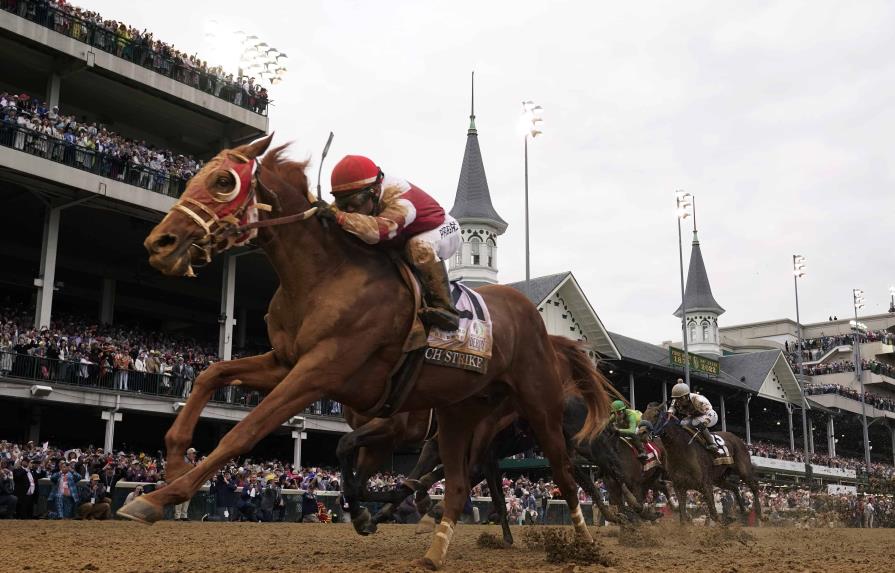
[
  {"x": 305, "y": 383},
  {"x": 260, "y": 373}
]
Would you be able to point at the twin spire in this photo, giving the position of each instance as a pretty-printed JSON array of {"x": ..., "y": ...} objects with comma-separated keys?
[{"x": 472, "y": 204}]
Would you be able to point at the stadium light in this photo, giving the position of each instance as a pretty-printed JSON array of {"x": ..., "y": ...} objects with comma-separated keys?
[
  {"x": 799, "y": 264},
  {"x": 685, "y": 207},
  {"x": 530, "y": 125},
  {"x": 892, "y": 299},
  {"x": 858, "y": 300}
]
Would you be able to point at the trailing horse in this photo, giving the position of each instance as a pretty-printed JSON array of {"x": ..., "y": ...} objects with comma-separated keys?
[
  {"x": 691, "y": 467},
  {"x": 337, "y": 325}
]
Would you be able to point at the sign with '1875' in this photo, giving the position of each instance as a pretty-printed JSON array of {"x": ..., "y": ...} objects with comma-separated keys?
[{"x": 697, "y": 363}]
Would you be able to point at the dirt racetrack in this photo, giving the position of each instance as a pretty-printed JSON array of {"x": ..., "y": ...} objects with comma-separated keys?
[{"x": 168, "y": 547}]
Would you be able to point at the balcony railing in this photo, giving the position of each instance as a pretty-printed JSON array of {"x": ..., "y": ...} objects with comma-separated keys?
[
  {"x": 90, "y": 376},
  {"x": 91, "y": 160},
  {"x": 151, "y": 55}
]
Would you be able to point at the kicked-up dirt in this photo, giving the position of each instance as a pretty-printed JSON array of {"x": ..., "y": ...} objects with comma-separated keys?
[{"x": 174, "y": 547}]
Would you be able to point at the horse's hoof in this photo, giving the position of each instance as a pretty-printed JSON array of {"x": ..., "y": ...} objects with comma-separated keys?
[
  {"x": 426, "y": 563},
  {"x": 142, "y": 511},
  {"x": 363, "y": 523},
  {"x": 425, "y": 525}
]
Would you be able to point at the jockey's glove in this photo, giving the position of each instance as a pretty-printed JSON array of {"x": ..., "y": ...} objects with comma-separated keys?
[{"x": 325, "y": 211}]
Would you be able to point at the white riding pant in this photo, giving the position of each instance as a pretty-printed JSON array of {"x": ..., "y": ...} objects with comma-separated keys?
[
  {"x": 708, "y": 420},
  {"x": 438, "y": 244}
]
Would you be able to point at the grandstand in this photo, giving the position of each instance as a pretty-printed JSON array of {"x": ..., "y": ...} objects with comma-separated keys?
[
  {"x": 77, "y": 207},
  {"x": 133, "y": 120}
]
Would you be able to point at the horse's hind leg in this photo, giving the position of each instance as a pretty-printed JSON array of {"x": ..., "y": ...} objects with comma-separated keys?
[
  {"x": 492, "y": 476},
  {"x": 261, "y": 373},
  {"x": 456, "y": 424}
]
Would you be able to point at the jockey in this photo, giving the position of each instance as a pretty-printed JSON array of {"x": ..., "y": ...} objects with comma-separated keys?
[
  {"x": 625, "y": 421},
  {"x": 695, "y": 411},
  {"x": 389, "y": 211}
]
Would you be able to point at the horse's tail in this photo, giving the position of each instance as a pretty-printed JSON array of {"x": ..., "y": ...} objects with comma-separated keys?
[{"x": 580, "y": 376}]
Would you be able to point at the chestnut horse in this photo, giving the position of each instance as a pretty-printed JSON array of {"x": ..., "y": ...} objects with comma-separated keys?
[
  {"x": 500, "y": 434},
  {"x": 337, "y": 325},
  {"x": 690, "y": 466}
]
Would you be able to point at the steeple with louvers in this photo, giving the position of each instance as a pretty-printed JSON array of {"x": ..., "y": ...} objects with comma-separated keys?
[
  {"x": 476, "y": 261},
  {"x": 702, "y": 310}
]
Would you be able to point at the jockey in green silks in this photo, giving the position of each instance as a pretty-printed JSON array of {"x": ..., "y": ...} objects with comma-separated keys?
[{"x": 625, "y": 421}]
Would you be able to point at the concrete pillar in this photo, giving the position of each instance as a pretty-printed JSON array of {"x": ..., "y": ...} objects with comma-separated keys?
[
  {"x": 34, "y": 424},
  {"x": 631, "y": 389},
  {"x": 241, "y": 324},
  {"x": 297, "y": 437},
  {"x": 107, "y": 302},
  {"x": 110, "y": 416},
  {"x": 723, "y": 414},
  {"x": 664, "y": 392},
  {"x": 226, "y": 319},
  {"x": 47, "y": 277},
  {"x": 792, "y": 437},
  {"x": 54, "y": 85},
  {"x": 748, "y": 426},
  {"x": 810, "y": 436},
  {"x": 831, "y": 437},
  {"x": 892, "y": 431}
]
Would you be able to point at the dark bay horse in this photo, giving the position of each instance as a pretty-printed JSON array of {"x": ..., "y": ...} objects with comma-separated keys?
[
  {"x": 638, "y": 481},
  {"x": 690, "y": 466},
  {"x": 337, "y": 326}
]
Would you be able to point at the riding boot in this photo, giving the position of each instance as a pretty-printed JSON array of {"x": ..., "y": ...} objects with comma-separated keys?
[
  {"x": 440, "y": 311},
  {"x": 641, "y": 452},
  {"x": 709, "y": 440}
]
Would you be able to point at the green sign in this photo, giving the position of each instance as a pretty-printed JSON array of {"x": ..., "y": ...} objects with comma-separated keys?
[{"x": 697, "y": 363}]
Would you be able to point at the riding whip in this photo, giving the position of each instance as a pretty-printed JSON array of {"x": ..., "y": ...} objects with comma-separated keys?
[{"x": 329, "y": 141}]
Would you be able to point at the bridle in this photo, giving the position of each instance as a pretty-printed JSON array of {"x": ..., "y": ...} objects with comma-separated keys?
[{"x": 240, "y": 224}]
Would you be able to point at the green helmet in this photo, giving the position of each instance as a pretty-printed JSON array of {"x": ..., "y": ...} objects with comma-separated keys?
[{"x": 618, "y": 406}]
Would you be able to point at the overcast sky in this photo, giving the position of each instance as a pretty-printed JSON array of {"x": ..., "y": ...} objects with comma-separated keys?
[{"x": 778, "y": 116}]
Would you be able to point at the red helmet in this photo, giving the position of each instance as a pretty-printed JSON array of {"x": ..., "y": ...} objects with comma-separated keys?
[{"x": 352, "y": 173}]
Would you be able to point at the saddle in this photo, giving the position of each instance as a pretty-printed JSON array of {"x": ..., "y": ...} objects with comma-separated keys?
[
  {"x": 652, "y": 453},
  {"x": 467, "y": 348},
  {"x": 721, "y": 456}
]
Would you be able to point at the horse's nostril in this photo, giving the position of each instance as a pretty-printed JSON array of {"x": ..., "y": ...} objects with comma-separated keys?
[
  {"x": 165, "y": 240},
  {"x": 162, "y": 242}
]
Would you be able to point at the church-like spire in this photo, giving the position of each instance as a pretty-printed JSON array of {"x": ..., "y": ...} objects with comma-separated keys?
[
  {"x": 473, "y": 200},
  {"x": 698, "y": 294}
]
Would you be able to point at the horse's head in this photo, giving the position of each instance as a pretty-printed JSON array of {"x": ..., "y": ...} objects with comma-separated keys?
[
  {"x": 656, "y": 417},
  {"x": 217, "y": 200}
]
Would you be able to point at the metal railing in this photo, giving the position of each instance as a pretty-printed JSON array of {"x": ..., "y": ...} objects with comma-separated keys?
[
  {"x": 91, "y": 376},
  {"x": 152, "y": 55},
  {"x": 103, "y": 164}
]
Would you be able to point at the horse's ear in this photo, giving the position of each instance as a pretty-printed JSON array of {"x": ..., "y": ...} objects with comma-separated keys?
[{"x": 255, "y": 149}]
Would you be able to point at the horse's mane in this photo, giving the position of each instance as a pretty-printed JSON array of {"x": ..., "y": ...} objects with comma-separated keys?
[{"x": 289, "y": 170}]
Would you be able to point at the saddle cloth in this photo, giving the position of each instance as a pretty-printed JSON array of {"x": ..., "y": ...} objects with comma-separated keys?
[
  {"x": 722, "y": 455},
  {"x": 652, "y": 453},
  {"x": 468, "y": 347}
]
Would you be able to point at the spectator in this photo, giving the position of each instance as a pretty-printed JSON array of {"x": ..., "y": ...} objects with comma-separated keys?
[
  {"x": 181, "y": 510},
  {"x": 309, "y": 505},
  {"x": 223, "y": 488},
  {"x": 138, "y": 491},
  {"x": 64, "y": 495},
  {"x": 26, "y": 477},
  {"x": 270, "y": 495},
  {"x": 7, "y": 494},
  {"x": 95, "y": 503}
]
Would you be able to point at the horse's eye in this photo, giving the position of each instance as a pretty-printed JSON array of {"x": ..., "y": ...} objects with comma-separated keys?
[{"x": 224, "y": 181}]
